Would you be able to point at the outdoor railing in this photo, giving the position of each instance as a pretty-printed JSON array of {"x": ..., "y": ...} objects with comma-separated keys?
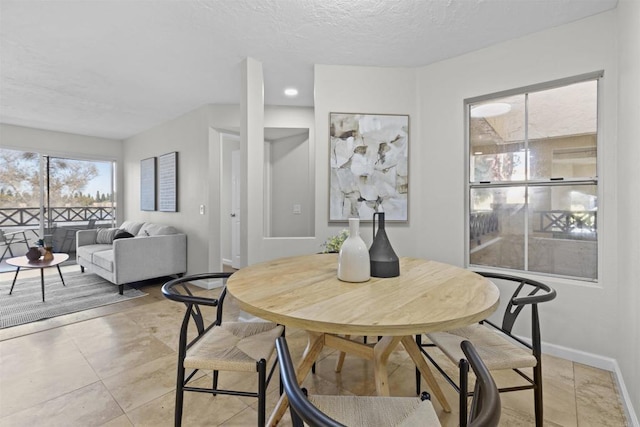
[
  {"x": 560, "y": 224},
  {"x": 567, "y": 223},
  {"x": 30, "y": 217},
  {"x": 481, "y": 223}
]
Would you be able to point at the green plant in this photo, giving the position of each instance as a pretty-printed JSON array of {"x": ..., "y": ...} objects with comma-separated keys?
[{"x": 334, "y": 243}]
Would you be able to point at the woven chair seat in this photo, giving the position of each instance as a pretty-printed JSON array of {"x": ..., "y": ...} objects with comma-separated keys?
[
  {"x": 234, "y": 346},
  {"x": 369, "y": 411},
  {"x": 496, "y": 351}
]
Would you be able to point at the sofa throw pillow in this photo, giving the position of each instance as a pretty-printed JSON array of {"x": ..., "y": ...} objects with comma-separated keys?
[
  {"x": 122, "y": 234},
  {"x": 105, "y": 235},
  {"x": 151, "y": 229},
  {"x": 131, "y": 226}
]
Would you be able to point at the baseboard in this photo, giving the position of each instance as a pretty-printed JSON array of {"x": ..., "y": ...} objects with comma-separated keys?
[
  {"x": 600, "y": 362},
  {"x": 226, "y": 261},
  {"x": 208, "y": 284},
  {"x": 632, "y": 417}
]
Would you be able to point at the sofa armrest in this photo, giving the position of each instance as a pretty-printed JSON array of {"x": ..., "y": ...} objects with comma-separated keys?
[
  {"x": 86, "y": 237},
  {"x": 143, "y": 257}
]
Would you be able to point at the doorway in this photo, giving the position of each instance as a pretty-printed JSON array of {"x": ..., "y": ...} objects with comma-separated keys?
[{"x": 230, "y": 220}]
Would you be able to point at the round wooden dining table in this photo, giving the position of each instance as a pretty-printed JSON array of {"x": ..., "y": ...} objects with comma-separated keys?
[{"x": 304, "y": 292}]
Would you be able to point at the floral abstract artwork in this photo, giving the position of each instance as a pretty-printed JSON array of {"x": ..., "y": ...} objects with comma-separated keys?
[{"x": 369, "y": 166}]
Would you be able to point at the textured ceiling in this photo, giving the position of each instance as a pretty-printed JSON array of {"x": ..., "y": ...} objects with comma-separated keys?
[{"x": 113, "y": 68}]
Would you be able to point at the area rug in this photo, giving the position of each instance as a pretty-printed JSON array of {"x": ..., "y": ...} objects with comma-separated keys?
[{"x": 82, "y": 291}]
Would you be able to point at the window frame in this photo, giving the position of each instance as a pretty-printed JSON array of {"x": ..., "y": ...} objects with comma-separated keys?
[{"x": 535, "y": 183}]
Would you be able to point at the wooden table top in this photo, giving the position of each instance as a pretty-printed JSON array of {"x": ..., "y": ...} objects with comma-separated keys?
[
  {"x": 23, "y": 261},
  {"x": 304, "y": 292}
]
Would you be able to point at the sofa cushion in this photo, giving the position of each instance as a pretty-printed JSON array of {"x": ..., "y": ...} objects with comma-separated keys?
[
  {"x": 87, "y": 251},
  {"x": 104, "y": 259},
  {"x": 105, "y": 235},
  {"x": 150, "y": 229},
  {"x": 122, "y": 234},
  {"x": 131, "y": 226}
]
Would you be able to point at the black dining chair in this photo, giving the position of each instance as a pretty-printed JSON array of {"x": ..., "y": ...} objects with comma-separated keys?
[
  {"x": 366, "y": 411},
  {"x": 498, "y": 346},
  {"x": 219, "y": 346}
]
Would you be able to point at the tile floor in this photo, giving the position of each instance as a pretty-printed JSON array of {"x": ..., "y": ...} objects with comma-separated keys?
[{"x": 115, "y": 366}]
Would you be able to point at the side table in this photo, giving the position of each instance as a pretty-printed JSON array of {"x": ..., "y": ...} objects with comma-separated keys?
[{"x": 23, "y": 262}]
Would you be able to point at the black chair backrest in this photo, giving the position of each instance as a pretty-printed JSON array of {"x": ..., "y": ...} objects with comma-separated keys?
[
  {"x": 301, "y": 408},
  {"x": 517, "y": 301},
  {"x": 485, "y": 405},
  {"x": 176, "y": 290}
]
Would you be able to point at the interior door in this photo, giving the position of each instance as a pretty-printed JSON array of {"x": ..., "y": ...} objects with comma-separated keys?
[{"x": 235, "y": 209}]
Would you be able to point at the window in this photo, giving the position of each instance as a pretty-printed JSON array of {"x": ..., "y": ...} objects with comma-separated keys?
[
  {"x": 74, "y": 194},
  {"x": 533, "y": 179}
]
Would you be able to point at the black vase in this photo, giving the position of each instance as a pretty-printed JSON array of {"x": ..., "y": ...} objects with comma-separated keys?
[
  {"x": 384, "y": 261},
  {"x": 33, "y": 254}
]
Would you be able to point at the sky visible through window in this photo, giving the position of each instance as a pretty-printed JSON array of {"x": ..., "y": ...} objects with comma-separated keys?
[{"x": 102, "y": 182}]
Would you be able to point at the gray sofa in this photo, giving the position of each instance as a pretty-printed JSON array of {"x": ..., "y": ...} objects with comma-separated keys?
[{"x": 151, "y": 250}]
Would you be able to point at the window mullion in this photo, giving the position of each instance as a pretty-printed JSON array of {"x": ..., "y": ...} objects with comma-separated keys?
[{"x": 526, "y": 188}]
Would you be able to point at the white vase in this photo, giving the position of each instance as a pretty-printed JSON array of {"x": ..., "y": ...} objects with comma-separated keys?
[{"x": 353, "y": 260}]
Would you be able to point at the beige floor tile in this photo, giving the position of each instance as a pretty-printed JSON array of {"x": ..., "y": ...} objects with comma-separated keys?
[
  {"x": 35, "y": 351},
  {"x": 28, "y": 387},
  {"x": 163, "y": 320},
  {"x": 87, "y": 406},
  {"x": 247, "y": 417},
  {"x": 104, "y": 332},
  {"x": 121, "y": 357},
  {"x": 200, "y": 409},
  {"x": 596, "y": 398},
  {"x": 559, "y": 395},
  {"x": 140, "y": 384},
  {"x": 121, "y": 421}
]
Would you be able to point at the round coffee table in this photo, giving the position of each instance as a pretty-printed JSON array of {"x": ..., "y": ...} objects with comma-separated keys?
[{"x": 23, "y": 262}]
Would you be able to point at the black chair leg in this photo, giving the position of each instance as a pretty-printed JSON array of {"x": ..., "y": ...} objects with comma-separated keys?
[
  {"x": 262, "y": 392},
  {"x": 215, "y": 381},
  {"x": 537, "y": 398},
  {"x": 463, "y": 392},
  {"x": 418, "y": 375},
  {"x": 179, "y": 397}
]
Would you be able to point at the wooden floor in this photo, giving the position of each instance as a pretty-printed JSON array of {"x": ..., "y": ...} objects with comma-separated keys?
[{"x": 115, "y": 366}]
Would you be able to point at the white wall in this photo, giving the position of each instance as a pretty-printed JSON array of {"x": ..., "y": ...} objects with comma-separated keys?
[
  {"x": 288, "y": 176},
  {"x": 376, "y": 91},
  {"x": 66, "y": 145},
  {"x": 577, "y": 48},
  {"x": 196, "y": 137},
  {"x": 288, "y": 117},
  {"x": 628, "y": 327},
  {"x": 581, "y": 47},
  {"x": 188, "y": 135}
]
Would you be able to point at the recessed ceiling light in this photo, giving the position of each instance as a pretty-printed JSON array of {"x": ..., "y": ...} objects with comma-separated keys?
[
  {"x": 490, "y": 110},
  {"x": 291, "y": 92}
]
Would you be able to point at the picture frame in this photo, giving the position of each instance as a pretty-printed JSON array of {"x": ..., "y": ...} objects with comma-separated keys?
[
  {"x": 148, "y": 184},
  {"x": 168, "y": 182},
  {"x": 369, "y": 166}
]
